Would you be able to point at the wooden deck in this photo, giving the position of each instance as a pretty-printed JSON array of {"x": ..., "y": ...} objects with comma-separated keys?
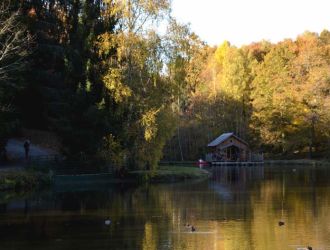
[
  {"x": 248, "y": 163},
  {"x": 213, "y": 163}
]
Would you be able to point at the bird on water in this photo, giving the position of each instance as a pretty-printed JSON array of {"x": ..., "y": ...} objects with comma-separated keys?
[{"x": 192, "y": 228}]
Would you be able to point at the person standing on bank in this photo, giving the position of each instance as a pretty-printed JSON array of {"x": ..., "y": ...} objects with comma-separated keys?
[{"x": 26, "y": 148}]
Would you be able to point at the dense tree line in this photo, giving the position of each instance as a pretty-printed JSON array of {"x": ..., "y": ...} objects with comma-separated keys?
[
  {"x": 96, "y": 75},
  {"x": 275, "y": 96},
  {"x": 14, "y": 43},
  {"x": 101, "y": 75}
]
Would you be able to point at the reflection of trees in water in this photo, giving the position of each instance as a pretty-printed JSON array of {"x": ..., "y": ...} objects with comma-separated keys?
[
  {"x": 236, "y": 174},
  {"x": 150, "y": 217},
  {"x": 304, "y": 208}
]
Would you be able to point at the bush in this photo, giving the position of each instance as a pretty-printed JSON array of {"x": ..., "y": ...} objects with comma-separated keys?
[{"x": 23, "y": 180}]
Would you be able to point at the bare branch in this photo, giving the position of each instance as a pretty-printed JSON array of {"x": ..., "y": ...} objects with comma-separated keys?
[{"x": 14, "y": 43}]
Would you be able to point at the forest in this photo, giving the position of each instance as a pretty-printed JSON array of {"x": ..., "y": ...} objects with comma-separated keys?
[{"x": 123, "y": 83}]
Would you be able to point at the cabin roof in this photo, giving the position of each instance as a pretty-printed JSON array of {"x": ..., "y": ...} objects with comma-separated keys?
[{"x": 222, "y": 138}]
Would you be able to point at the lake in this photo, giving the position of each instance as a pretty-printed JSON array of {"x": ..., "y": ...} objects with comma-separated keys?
[{"x": 239, "y": 208}]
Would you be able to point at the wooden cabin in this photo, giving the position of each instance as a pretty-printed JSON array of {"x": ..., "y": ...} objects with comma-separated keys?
[{"x": 228, "y": 148}]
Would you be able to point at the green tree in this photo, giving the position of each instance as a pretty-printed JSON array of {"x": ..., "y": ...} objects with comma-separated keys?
[
  {"x": 137, "y": 90},
  {"x": 273, "y": 105}
]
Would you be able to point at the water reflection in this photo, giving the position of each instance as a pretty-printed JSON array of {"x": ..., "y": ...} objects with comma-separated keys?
[{"x": 239, "y": 208}]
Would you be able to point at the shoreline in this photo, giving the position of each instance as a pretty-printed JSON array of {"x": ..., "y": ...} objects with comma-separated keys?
[
  {"x": 302, "y": 162},
  {"x": 29, "y": 180},
  {"x": 23, "y": 180},
  {"x": 169, "y": 174}
]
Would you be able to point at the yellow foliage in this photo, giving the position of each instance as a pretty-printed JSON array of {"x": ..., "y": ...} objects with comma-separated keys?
[
  {"x": 149, "y": 123},
  {"x": 112, "y": 151},
  {"x": 107, "y": 41},
  {"x": 221, "y": 52},
  {"x": 149, "y": 242},
  {"x": 114, "y": 84}
]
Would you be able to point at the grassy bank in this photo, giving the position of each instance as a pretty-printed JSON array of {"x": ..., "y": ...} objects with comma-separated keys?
[
  {"x": 168, "y": 174},
  {"x": 23, "y": 180}
]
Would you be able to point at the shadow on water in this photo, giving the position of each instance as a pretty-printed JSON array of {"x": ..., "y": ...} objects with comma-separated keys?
[{"x": 239, "y": 208}]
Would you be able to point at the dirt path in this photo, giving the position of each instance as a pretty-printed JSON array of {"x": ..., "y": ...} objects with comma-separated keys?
[
  {"x": 16, "y": 154},
  {"x": 15, "y": 150}
]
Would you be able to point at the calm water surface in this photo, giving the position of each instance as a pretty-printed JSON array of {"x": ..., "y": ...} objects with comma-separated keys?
[{"x": 238, "y": 209}]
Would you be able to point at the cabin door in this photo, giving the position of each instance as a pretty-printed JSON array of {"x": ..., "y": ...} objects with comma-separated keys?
[{"x": 233, "y": 153}]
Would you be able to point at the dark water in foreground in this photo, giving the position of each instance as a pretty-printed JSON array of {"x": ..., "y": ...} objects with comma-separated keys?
[{"x": 238, "y": 209}]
